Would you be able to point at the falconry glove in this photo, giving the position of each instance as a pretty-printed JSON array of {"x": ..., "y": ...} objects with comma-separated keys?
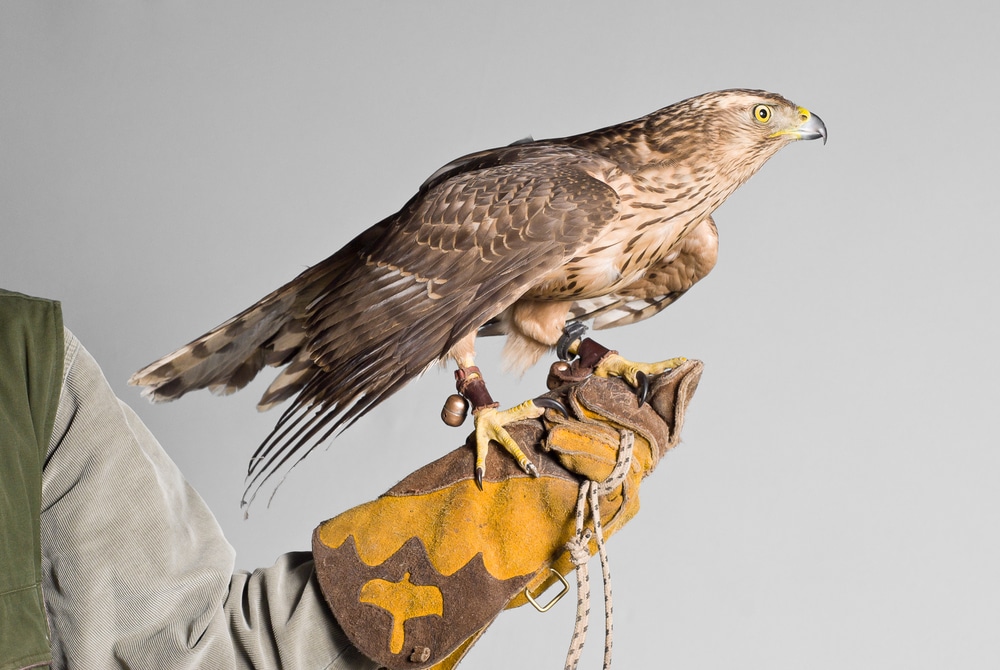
[{"x": 416, "y": 576}]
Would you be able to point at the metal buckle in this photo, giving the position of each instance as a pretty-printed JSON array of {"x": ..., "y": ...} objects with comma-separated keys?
[
  {"x": 552, "y": 602},
  {"x": 571, "y": 333}
]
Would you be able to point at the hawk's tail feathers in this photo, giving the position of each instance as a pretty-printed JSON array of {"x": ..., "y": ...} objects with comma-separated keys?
[
  {"x": 229, "y": 356},
  {"x": 271, "y": 332},
  {"x": 310, "y": 421}
]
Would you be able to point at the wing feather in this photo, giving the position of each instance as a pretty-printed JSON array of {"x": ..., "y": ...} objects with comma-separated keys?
[
  {"x": 458, "y": 254},
  {"x": 661, "y": 286}
]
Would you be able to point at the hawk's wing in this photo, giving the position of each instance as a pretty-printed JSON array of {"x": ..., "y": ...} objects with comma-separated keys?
[
  {"x": 456, "y": 255},
  {"x": 661, "y": 286}
]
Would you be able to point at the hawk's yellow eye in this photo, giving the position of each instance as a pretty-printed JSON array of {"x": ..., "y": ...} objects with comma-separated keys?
[{"x": 762, "y": 113}]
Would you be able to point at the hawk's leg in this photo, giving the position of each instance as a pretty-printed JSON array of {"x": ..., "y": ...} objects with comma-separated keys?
[
  {"x": 605, "y": 362},
  {"x": 490, "y": 420}
]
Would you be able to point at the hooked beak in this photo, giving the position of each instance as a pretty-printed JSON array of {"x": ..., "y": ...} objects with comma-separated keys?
[{"x": 812, "y": 128}]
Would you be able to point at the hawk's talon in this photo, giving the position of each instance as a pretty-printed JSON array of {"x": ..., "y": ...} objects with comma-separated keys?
[
  {"x": 490, "y": 424},
  {"x": 635, "y": 374},
  {"x": 642, "y": 388},
  {"x": 551, "y": 403}
]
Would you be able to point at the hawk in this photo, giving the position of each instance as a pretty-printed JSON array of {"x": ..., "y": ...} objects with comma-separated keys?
[{"x": 608, "y": 227}]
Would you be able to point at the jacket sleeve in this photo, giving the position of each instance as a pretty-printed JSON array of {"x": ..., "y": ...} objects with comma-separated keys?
[{"x": 136, "y": 571}]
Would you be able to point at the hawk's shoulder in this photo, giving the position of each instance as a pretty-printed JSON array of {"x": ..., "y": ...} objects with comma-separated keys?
[{"x": 524, "y": 153}]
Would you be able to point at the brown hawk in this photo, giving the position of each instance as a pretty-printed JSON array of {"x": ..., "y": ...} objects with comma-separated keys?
[{"x": 609, "y": 226}]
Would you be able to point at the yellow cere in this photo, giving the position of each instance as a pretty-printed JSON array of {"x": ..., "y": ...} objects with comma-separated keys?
[{"x": 804, "y": 115}]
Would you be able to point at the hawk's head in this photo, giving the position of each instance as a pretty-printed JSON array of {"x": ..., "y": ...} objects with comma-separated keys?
[
  {"x": 756, "y": 118},
  {"x": 735, "y": 130}
]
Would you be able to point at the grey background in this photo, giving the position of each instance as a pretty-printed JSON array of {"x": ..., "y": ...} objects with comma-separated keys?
[{"x": 834, "y": 503}]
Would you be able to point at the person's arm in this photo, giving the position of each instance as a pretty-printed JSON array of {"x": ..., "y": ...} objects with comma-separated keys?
[{"x": 136, "y": 571}]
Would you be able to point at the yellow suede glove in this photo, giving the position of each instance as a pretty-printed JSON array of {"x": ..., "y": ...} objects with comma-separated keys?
[{"x": 415, "y": 576}]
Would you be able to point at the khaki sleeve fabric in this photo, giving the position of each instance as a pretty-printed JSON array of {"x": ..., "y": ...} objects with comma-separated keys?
[{"x": 136, "y": 571}]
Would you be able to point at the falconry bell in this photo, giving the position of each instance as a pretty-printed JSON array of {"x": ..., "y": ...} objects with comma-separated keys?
[{"x": 455, "y": 409}]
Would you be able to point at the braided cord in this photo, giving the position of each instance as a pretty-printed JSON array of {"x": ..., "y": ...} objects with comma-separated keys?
[{"x": 579, "y": 551}]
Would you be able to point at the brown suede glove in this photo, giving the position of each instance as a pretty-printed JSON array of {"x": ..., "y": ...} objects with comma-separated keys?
[{"x": 416, "y": 576}]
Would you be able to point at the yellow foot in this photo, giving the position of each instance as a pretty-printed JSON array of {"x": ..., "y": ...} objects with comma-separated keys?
[
  {"x": 636, "y": 374},
  {"x": 490, "y": 424}
]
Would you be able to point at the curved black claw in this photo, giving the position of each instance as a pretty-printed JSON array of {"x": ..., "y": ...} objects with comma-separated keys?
[
  {"x": 642, "y": 391},
  {"x": 479, "y": 478},
  {"x": 549, "y": 403},
  {"x": 532, "y": 470}
]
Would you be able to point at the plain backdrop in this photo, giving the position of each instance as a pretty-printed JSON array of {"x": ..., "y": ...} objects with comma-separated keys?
[{"x": 834, "y": 502}]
